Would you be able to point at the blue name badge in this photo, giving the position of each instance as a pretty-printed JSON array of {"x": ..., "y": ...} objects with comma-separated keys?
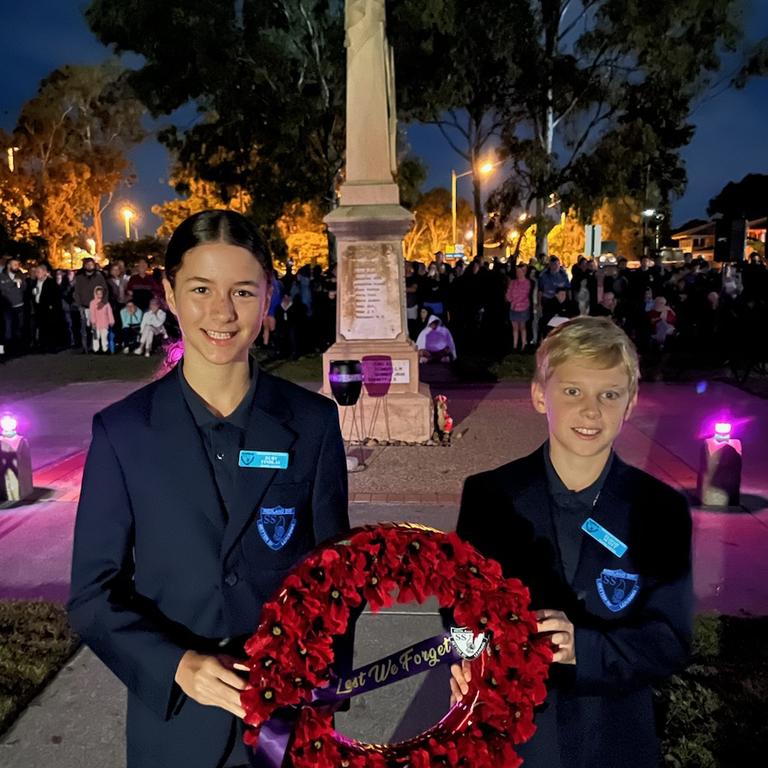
[
  {"x": 263, "y": 460},
  {"x": 604, "y": 537}
]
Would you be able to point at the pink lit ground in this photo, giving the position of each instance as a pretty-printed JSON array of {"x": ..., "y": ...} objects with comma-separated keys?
[{"x": 496, "y": 424}]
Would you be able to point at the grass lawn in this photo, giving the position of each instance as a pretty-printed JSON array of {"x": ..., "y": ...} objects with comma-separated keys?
[
  {"x": 34, "y": 374},
  {"x": 35, "y": 643}
]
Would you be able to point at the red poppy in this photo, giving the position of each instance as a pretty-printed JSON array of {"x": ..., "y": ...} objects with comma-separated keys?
[{"x": 292, "y": 652}]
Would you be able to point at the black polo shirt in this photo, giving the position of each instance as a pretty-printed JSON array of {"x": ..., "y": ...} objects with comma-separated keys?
[
  {"x": 223, "y": 438},
  {"x": 569, "y": 511}
]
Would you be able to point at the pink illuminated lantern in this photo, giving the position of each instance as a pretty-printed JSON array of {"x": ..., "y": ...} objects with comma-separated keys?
[
  {"x": 8, "y": 425},
  {"x": 723, "y": 431},
  {"x": 719, "y": 478},
  {"x": 15, "y": 462}
]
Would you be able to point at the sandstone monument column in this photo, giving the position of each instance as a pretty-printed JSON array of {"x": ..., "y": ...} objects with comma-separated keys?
[{"x": 369, "y": 226}]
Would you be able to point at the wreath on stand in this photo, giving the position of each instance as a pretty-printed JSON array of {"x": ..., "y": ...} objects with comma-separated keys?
[{"x": 293, "y": 694}]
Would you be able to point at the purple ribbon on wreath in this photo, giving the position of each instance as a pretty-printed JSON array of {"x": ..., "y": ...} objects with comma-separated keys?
[{"x": 275, "y": 734}]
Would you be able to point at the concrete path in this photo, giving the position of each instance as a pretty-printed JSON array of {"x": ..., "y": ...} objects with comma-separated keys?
[{"x": 78, "y": 722}]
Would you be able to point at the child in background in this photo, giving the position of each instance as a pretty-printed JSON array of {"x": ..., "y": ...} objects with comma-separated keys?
[
  {"x": 101, "y": 319},
  {"x": 152, "y": 324},
  {"x": 130, "y": 318}
]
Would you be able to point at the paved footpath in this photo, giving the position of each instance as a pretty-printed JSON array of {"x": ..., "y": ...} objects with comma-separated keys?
[{"x": 78, "y": 719}]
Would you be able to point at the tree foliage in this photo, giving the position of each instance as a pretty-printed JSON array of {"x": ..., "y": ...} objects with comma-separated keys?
[
  {"x": 452, "y": 59},
  {"x": 267, "y": 80},
  {"x": 73, "y": 138},
  {"x": 747, "y": 198},
  {"x": 305, "y": 235},
  {"x": 196, "y": 196},
  {"x": 150, "y": 248},
  {"x": 602, "y": 104},
  {"x": 432, "y": 229}
]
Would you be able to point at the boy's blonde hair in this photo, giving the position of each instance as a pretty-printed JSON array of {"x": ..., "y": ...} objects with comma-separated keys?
[{"x": 595, "y": 339}]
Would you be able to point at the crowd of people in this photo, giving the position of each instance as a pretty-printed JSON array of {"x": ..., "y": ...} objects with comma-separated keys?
[
  {"x": 92, "y": 310},
  {"x": 694, "y": 312}
]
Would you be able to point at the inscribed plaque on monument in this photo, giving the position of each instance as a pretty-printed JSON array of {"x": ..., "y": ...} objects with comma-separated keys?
[{"x": 370, "y": 306}]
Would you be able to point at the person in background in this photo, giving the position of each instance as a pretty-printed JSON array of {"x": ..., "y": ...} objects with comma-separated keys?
[
  {"x": 47, "y": 309},
  {"x": 12, "y": 287},
  {"x": 606, "y": 307},
  {"x": 152, "y": 325},
  {"x": 130, "y": 322},
  {"x": 290, "y": 318},
  {"x": 519, "y": 297},
  {"x": 141, "y": 287},
  {"x": 663, "y": 321},
  {"x": 86, "y": 281},
  {"x": 102, "y": 319},
  {"x": 66, "y": 289},
  {"x": 559, "y": 309},
  {"x": 411, "y": 299},
  {"x": 269, "y": 321},
  {"x": 551, "y": 281},
  {"x": 435, "y": 342}
]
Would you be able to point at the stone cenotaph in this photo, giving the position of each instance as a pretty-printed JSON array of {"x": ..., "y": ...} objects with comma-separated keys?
[{"x": 369, "y": 226}]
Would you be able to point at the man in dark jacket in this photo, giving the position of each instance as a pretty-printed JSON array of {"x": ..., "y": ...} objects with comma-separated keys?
[
  {"x": 46, "y": 309},
  {"x": 86, "y": 281},
  {"x": 604, "y": 549},
  {"x": 12, "y": 287}
]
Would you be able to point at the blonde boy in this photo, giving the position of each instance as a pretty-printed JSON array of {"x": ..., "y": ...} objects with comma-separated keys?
[{"x": 603, "y": 547}]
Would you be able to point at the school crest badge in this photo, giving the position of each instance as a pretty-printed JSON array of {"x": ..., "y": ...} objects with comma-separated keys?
[
  {"x": 617, "y": 589},
  {"x": 467, "y": 643},
  {"x": 276, "y": 525}
]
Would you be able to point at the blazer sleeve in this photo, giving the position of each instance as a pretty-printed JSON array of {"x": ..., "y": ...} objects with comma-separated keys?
[
  {"x": 330, "y": 497},
  {"x": 330, "y": 508},
  {"x": 655, "y": 643},
  {"x": 104, "y": 608}
]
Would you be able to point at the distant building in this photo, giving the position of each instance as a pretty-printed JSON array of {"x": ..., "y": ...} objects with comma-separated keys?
[{"x": 698, "y": 238}]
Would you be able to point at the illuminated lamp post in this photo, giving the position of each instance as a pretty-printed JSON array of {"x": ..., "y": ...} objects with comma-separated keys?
[
  {"x": 719, "y": 480},
  {"x": 482, "y": 170},
  {"x": 127, "y": 215},
  {"x": 15, "y": 462}
]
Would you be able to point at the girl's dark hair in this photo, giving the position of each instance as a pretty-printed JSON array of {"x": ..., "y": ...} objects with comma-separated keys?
[{"x": 215, "y": 227}]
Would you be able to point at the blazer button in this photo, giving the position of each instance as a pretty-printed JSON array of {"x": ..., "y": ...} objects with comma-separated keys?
[
  {"x": 581, "y": 595},
  {"x": 231, "y": 579}
]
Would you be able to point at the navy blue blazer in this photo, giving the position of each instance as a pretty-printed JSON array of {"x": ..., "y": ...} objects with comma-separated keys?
[
  {"x": 157, "y": 568},
  {"x": 632, "y": 615}
]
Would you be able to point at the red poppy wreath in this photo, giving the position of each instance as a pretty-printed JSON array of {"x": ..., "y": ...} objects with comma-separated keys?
[{"x": 293, "y": 694}]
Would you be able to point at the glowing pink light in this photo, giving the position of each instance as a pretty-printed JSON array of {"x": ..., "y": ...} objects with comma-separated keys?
[
  {"x": 723, "y": 430},
  {"x": 8, "y": 425}
]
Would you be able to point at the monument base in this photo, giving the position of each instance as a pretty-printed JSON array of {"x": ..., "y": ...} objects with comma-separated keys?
[{"x": 405, "y": 413}]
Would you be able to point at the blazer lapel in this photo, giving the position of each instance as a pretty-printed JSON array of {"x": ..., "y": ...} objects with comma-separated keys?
[
  {"x": 181, "y": 455},
  {"x": 533, "y": 502},
  {"x": 610, "y": 506},
  {"x": 267, "y": 431}
]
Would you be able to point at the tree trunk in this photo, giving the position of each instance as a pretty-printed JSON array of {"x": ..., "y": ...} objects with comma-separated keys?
[
  {"x": 551, "y": 18},
  {"x": 98, "y": 226},
  {"x": 542, "y": 202},
  {"x": 478, "y": 207}
]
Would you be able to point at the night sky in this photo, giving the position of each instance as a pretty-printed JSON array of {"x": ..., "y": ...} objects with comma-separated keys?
[{"x": 36, "y": 36}]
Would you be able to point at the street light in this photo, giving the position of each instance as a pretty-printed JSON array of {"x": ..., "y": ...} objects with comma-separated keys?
[
  {"x": 650, "y": 213},
  {"x": 11, "y": 158},
  {"x": 483, "y": 170},
  {"x": 127, "y": 214}
]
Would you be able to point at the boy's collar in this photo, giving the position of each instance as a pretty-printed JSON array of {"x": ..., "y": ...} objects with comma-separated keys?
[{"x": 559, "y": 488}]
